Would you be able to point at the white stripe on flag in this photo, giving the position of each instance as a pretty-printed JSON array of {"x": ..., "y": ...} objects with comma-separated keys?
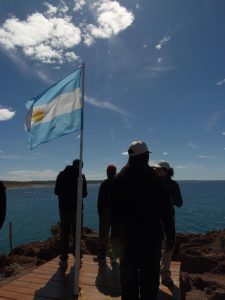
[{"x": 62, "y": 104}]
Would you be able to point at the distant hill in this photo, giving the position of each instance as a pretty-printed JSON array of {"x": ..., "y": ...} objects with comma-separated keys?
[
  {"x": 23, "y": 184},
  {"x": 94, "y": 181},
  {"x": 20, "y": 184}
]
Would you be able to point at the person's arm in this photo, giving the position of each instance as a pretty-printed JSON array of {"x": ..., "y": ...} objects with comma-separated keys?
[
  {"x": 2, "y": 204},
  {"x": 177, "y": 197},
  {"x": 57, "y": 185},
  {"x": 84, "y": 191}
]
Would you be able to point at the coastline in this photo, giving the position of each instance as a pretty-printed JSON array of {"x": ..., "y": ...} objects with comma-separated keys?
[
  {"x": 27, "y": 184},
  {"x": 36, "y": 183},
  {"x": 44, "y": 183}
]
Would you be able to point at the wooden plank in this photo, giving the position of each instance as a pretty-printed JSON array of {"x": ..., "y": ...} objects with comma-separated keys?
[
  {"x": 18, "y": 296},
  {"x": 98, "y": 281}
]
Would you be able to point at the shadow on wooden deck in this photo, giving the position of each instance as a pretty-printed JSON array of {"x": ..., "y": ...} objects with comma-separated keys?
[{"x": 97, "y": 282}]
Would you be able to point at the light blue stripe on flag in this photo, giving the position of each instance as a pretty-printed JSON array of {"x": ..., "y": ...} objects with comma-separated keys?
[{"x": 56, "y": 112}]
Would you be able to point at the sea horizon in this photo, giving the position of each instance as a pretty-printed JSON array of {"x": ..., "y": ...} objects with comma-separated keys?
[{"x": 32, "y": 210}]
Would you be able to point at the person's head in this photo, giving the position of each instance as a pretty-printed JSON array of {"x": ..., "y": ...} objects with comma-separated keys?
[
  {"x": 138, "y": 153},
  {"x": 111, "y": 171},
  {"x": 164, "y": 169},
  {"x": 76, "y": 163}
]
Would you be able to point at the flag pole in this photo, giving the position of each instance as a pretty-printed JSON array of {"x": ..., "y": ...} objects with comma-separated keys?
[{"x": 79, "y": 199}]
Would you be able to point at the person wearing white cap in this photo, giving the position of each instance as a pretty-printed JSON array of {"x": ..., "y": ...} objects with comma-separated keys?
[
  {"x": 165, "y": 171},
  {"x": 139, "y": 204}
]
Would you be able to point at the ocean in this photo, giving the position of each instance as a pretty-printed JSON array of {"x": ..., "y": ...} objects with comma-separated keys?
[{"x": 32, "y": 211}]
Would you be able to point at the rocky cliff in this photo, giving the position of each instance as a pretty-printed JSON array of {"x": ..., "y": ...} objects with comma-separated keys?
[{"x": 202, "y": 259}]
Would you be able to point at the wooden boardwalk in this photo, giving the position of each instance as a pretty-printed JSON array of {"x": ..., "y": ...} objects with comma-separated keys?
[{"x": 97, "y": 282}]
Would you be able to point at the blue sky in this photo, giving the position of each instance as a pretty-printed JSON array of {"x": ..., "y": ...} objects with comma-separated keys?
[{"x": 155, "y": 71}]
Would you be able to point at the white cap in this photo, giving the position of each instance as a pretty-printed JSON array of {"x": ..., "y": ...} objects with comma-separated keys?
[
  {"x": 137, "y": 148},
  {"x": 163, "y": 164}
]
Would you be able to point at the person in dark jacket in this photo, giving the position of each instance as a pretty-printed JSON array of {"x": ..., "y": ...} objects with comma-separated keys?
[
  {"x": 140, "y": 205},
  {"x": 66, "y": 190},
  {"x": 104, "y": 212},
  {"x": 166, "y": 173},
  {"x": 2, "y": 204}
]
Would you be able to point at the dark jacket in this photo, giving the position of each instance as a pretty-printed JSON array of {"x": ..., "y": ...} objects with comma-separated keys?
[
  {"x": 66, "y": 189},
  {"x": 2, "y": 204},
  {"x": 139, "y": 203},
  {"x": 104, "y": 195},
  {"x": 173, "y": 190}
]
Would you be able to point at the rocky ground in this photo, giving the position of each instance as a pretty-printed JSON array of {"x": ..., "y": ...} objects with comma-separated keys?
[
  {"x": 26, "y": 257},
  {"x": 202, "y": 259}
]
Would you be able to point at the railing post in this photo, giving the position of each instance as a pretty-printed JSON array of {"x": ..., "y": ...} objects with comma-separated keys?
[{"x": 10, "y": 237}]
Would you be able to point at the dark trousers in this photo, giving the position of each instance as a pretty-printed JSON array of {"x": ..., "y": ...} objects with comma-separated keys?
[
  {"x": 104, "y": 228},
  {"x": 67, "y": 226},
  {"x": 139, "y": 272}
]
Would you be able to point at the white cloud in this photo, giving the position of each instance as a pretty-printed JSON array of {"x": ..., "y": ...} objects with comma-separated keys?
[
  {"x": 206, "y": 157},
  {"x": 79, "y": 4},
  {"x": 215, "y": 118},
  {"x": 183, "y": 167},
  {"x": 125, "y": 153},
  {"x": 223, "y": 133},
  {"x": 162, "y": 42},
  {"x": 40, "y": 38},
  {"x": 9, "y": 156},
  {"x": 6, "y": 113},
  {"x": 44, "y": 53},
  {"x": 112, "y": 18},
  {"x": 27, "y": 175},
  {"x": 71, "y": 56},
  {"x": 165, "y": 153},
  {"x": 189, "y": 166},
  {"x": 63, "y": 8},
  {"x": 106, "y": 105},
  {"x": 88, "y": 39},
  {"x": 159, "y": 60},
  {"x": 193, "y": 146},
  {"x": 51, "y": 9},
  {"x": 160, "y": 68},
  {"x": 44, "y": 77},
  {"x": 34, "y": 156},
  {"x": 156, "y": 70},
  {"x": 221, "y": 82},
  {"x": 50, "y": 37}
]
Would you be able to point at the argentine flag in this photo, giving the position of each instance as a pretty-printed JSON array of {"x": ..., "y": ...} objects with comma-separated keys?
[{"x": 56, "y": 112}]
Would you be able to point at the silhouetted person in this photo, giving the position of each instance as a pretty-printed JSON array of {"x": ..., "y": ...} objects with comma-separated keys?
[
  {"x": 166, "y": 173},
  {"x": 66, "y": 189},
  {"x": 2, "y": 204},
  {"x": 104, "y": 211},
  {"x": 139, "y": 203}
]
